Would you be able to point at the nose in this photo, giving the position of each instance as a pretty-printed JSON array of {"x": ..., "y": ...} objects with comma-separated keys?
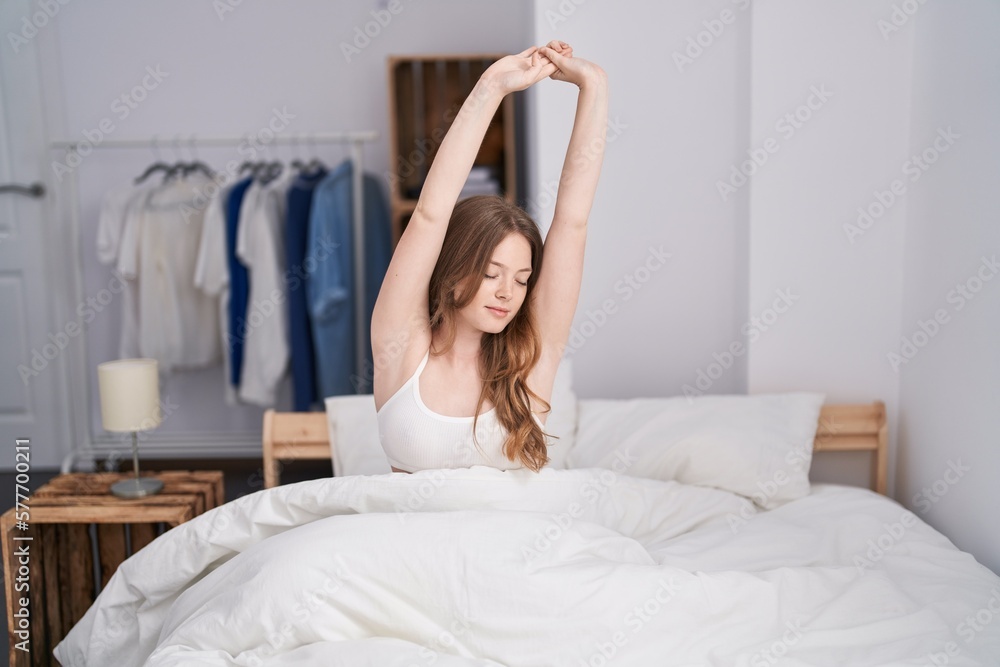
[{"x": 504, "y": 291}]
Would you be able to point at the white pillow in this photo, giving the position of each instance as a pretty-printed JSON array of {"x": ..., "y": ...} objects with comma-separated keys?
[
  {"x": 354, "y": 442},
  {"x": 353, "y": 427},
  {"x": 758, "y": 446}
]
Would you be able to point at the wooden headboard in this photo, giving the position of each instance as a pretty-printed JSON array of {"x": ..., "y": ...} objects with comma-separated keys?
[
  {"x": 291, "y": 436},
  {"x": 857, "y": 427}
]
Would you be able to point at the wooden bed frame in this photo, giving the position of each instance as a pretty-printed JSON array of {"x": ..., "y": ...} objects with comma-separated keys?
[{"x": 292, "y": 436}]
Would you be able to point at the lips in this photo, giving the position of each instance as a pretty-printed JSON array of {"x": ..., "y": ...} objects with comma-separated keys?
[{"x": 503, "y": 311}]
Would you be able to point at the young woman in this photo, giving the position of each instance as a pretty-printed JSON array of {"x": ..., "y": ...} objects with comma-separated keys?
[{"x": 470, "y": 325}]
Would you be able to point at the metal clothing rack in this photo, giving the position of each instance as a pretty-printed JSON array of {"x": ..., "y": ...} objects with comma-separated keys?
[
  {"x": 35, "y": 190},
  {"x": 356, "y": 139}
]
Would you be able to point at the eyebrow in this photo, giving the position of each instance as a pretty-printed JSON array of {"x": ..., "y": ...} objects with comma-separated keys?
[{"x": 503, "y": 266}]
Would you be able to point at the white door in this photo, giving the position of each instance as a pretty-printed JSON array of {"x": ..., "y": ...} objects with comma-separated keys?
[{"x": 35, "y": 340}]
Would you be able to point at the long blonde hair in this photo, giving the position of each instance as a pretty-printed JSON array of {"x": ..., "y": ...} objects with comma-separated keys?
[{"x": 478, "y": 225}]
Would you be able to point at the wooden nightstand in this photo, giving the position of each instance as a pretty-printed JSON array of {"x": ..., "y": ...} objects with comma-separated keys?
[{"x": 80, "y": 534}]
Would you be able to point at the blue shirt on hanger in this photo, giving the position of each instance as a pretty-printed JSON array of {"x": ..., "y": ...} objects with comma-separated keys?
[
  {"x": 330, "y": 288},
  {"x": 239, "y": 283},
  {"x": 299, "y": 263}
]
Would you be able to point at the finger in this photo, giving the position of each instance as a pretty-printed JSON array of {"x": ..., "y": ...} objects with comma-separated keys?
[
  {"x": 552, "y": 55},
  {"x": 539, "y": 67},
  {"x": 547, "y": 71},
  {"x": 542, "y": 58},
  {"x": 528, "y": 51},
  {"x": 544, "y": 69},
  {"x": 553, "y": 70}
]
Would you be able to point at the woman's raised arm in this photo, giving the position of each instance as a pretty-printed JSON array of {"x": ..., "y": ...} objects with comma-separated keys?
[
  {"x": 402, "y": 302},
  {"x": 558, "y": 287}
]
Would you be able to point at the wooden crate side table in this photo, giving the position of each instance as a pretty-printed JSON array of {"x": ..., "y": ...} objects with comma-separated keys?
[{"x": 61, "y": 577}]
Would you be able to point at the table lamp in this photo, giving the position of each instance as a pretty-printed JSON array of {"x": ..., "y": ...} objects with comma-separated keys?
[{"x": 130, "y": 402}]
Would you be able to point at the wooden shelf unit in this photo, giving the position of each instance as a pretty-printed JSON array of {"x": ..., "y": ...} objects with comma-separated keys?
[
  {"x": 425, "y": 94},
  {"x": 78, "y": 533}
]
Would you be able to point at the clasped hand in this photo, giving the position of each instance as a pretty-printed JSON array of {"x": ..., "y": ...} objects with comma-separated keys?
[{"x": 554, "y": 60}]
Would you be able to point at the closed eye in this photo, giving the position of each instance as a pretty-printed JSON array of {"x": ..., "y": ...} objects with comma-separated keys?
[
  {"x": 524, "y": 284},
  {"x": 516, "y": 281}
]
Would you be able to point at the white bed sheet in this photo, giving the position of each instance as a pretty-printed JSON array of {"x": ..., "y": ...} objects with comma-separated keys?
[{"x": 564, "y": 567}]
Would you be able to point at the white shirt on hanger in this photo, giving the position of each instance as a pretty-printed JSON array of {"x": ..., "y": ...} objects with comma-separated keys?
[
  {"x": 260, "y": 245},
  {"x": 211, "y": 276},
  {"x": 178, "y": 323},
  {"x": 211, "y": 271},
  {"x": 118, "y": 212},
  {"x": 111, "y": 220}
]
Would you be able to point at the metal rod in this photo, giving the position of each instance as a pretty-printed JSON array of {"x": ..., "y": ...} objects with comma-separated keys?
[
  {"x": 36, "y": 190},
  {"x": 77, "y": 376},
  {"x": 419, "y": 106},
  {"x": 135, "y": 454},
  {"x": 360, "y": 297},
  {"x": 326, "y": 137}
]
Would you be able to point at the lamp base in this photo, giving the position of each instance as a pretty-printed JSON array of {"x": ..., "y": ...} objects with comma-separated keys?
[{"x": 137, "y": 488}]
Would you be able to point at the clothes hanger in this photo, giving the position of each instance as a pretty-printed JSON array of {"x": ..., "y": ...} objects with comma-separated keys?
[
  {"x": 196, "y": 164},
  {"x": 297, "y": 164},
  {"x": 251, "y": 166},
  {"x": 159, "y": 165},
  {"x": 153, "y": 168},
  {"x": 254, "y": 168},
  {"x": 276, "y": 167},
  {"x": 315, "y": 165},
  {"x": 269, "y": 170},
  {"x": 178, "y": 167}
]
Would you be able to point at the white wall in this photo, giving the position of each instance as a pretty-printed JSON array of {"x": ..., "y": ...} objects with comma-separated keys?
[
  {"x": 225, "y": 74},
  {"x": 889, "y": 82},
  {"x": 950, "y": 387},
  {"x": 850, "y": 142},
  {"x": 691, "y": 116},
  {"x": 672, "y": 134}
]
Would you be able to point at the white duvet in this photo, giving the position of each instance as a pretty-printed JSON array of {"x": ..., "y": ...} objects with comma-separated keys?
[{"x": 580, "y": 567}]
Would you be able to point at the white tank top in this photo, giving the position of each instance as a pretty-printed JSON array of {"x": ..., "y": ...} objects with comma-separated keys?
[{"x": 416, "y": 438}]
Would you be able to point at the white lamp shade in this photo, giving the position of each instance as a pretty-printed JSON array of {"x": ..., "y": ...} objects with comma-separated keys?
[{"x": 130, "y": 395}]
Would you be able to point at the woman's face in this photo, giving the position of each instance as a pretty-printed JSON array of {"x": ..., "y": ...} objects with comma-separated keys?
[{"x": 503, "y": 287}]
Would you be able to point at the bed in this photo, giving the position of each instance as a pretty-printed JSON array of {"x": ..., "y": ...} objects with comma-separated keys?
[{"x": 674, "y": 531}]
